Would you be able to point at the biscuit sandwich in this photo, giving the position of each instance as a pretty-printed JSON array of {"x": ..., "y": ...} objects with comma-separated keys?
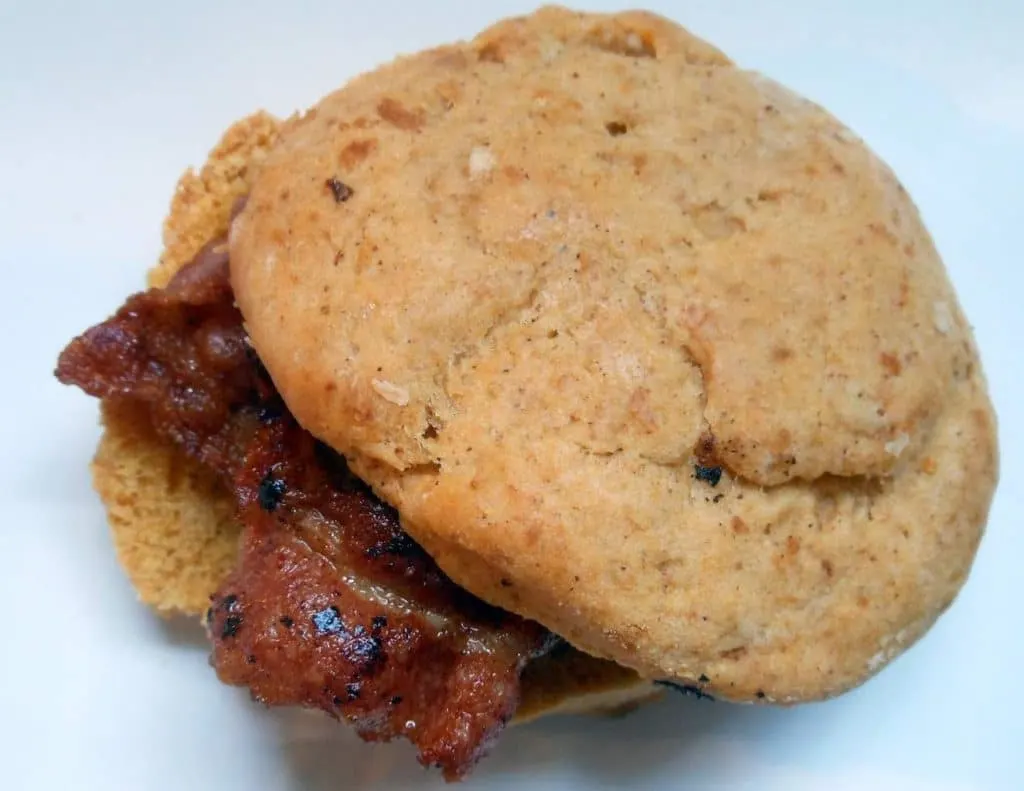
[{"x": 538, "y": 372}]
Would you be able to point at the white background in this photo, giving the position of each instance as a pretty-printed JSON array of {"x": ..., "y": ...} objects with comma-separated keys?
[{"x": 101, "y": 107}]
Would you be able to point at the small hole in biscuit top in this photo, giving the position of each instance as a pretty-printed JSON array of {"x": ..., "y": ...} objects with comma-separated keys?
[{"x": 616, "y": 128}]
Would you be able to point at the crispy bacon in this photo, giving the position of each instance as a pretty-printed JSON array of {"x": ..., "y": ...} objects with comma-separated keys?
[{"x": 332, "y": 605}]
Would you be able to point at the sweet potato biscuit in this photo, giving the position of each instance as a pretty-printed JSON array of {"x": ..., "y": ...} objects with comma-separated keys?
[{"x": 640, "y": 344}]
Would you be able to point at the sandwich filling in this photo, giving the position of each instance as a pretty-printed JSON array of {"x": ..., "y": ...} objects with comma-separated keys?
[{"x": 332, "y": 605}]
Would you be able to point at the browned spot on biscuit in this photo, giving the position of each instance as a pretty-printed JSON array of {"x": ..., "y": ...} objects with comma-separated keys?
[
  {"x": 739, "y": 527},
  {"x": 491, "y": 53},
  {"x": 828, "y": 568},
  {"x": 792, "y": 545},
  {"x": 640, "y": 409},
  {"x": 904, "y": 294},
  {"x": 928, "y": 466},
  {"x": 891, "y": 363},
  {"x": 781, "y": 353},
  {"x": 715, "y": 221},
  {"x": 355, "y": 152},
  {"x": 514, "y": 174},
  {"x": 880, "y": 230},
  {"x": 705, "y": 451},
  {"x": 734, "y": 653},
  {"x": 770, "y": 195},
  {"x": 400, "y": 116}
]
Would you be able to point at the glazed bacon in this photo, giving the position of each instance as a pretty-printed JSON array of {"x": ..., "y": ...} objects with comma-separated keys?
[{"x": 332, "y": 606}]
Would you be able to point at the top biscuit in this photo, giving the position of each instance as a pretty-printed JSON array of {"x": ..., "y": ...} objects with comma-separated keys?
[{"x": 641, "y": 345}]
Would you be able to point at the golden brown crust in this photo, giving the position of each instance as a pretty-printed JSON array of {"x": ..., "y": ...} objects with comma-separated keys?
[
  {"x": 202, "y": 202},
  {"x": 173, "y": 524},
  {"x": 641, "y": 345}
]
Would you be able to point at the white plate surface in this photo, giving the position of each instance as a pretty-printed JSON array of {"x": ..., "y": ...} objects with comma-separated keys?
[{"x": 103, "y": 104}]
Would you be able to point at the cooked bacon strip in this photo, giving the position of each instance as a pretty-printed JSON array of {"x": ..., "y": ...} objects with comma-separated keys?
[
  {"x": 182, "y": 353},
  {"x": 332, "y": 605}
]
